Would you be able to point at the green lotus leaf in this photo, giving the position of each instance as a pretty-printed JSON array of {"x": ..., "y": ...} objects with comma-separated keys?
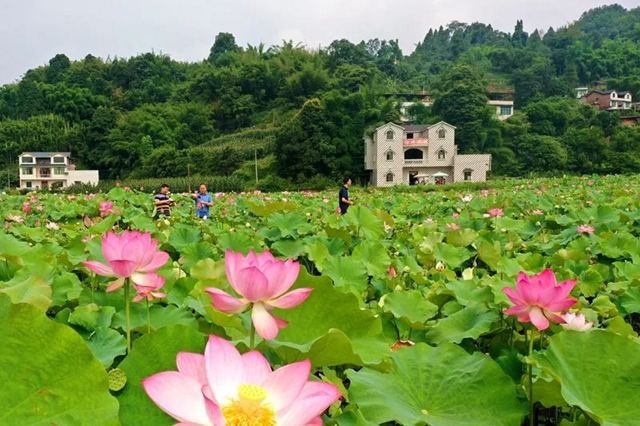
[
  {"x": 65, "y": 287},
  {"x": 630, "y": 300},
  {"x": 470, "y": 322},
  {"x": 462, "y": 237},
  {"x": 182, "y": 235},
  {"x": 106, "y": 344},
  {"x": 438, "y": 386},
  {"x": 409, "y": 305},
  {"x": 32, "y": 290},
  {"x": 373, "y": 256},
  {"x": 151, "y": 354},
  {"x": 193, "y": 253},
  {"x": 290, "y": 249},
  {"x": 346, "y": 272},
  {"x": 160, "y": 316},
  {"x": 92, "y": 316},
  {"x": 598, "y": 371},
  {"x": 50, "y": 375},
  {"x": 490, "y": 253},
  {"x": 291, "y": 224},
  {"x": 326, "y": 309}
]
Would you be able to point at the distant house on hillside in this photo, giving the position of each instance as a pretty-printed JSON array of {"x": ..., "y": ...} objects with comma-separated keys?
[
  {"x": 609, "y": 100},
  {"x": 502, "y": 99},
  {"x": 412, "y": 154},
  {"x": 51, "y": 169},
  {"x": 499, "y": 97}
]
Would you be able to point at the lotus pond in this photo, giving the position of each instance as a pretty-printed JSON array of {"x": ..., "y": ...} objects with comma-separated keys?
[{"x": 517, "y": 303}]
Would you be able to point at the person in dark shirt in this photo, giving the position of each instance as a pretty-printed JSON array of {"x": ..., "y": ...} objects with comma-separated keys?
[
  {"x": 163, "y": 201},
  {"x": 343, "y": 196}
]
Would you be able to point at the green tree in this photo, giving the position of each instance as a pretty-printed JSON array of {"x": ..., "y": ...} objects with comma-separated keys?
[
  {"x": 541, "y": 154},
  {"x": 464, "y": 105},
  {"x": 303, "y": 146}
]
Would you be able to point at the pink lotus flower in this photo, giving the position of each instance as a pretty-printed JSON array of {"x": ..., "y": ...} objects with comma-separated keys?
[
  {"x": 392, "y": 272},
  {"x": 585, "y": 229},
  {"x": 87, "y": 221},
  {"x": 261, "y": 281},
  {"x": 106, "y": 208},
  {"x": 148, "y": 290},
  {"x": 576, "y": 322},
  {"x": 538, "y": 299},
  {"x": 14, "y": 218},
  {"x": 537, "y": 212},
  {"x": 131, "y": 254},
  {"x": 484, "y": 192},
  {"x": 495, "y": 212},
  {"x": 40, "y": 207},
  {"x": 26, "y": 207},
  {"x": 455, "y": 215},
  {"x": 452, "y": 226},
  {"x": 223, "y": 387}
]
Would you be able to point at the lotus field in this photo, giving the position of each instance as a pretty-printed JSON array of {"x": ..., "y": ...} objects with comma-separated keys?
[{"x": 516, "y": 303}]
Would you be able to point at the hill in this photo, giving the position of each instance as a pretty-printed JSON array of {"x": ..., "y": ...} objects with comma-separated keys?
[{"x": 301, "y": 113}]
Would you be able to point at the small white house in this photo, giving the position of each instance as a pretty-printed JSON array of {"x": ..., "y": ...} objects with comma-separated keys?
[
  {"x": 52, "y": 169},
  {"x": 414, "y": 154}
]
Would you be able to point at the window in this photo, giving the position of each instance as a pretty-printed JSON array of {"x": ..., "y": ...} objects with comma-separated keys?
[
  {"x": 413, "y": 154},
  {"x": 28, "y": 184},
  {"x": 389, "y": 177},
  {"x": 27, "y": 160},
  {"x": 442, "y": 133},
  {"x": 389, "y": 155},
  {"x": 505, "y": 110},
  {"x": 409, "y": 135},
  {"x": 467, "y": 174},
  {"x": 389, "y": 134},
  {"x": 58, "y": 170},
  {"x": 26, "y": 171},
  {"x": 442, "y": 155},
  {"x": 58, "y": 160}
]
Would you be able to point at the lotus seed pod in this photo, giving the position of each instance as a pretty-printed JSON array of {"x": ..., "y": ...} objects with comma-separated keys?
[{"x": 117, "y": 379}]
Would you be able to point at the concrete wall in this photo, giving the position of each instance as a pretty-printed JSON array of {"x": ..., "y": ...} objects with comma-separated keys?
[
  {"x": 84, "y": 176},
  {"x": 478, "y": 164}
]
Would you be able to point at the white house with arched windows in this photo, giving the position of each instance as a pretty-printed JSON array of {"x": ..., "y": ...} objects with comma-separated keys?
[{"x": 412, "y": 154}]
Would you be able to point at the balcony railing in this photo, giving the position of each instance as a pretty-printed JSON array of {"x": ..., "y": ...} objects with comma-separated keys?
[
  {"x": 416, "y": 142},
  {"x": 415, "y": 163}
]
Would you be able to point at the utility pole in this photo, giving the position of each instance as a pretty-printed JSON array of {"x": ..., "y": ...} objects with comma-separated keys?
[
  {"x": 255, "y": 155},
  {"x": 189, "y": 178}
]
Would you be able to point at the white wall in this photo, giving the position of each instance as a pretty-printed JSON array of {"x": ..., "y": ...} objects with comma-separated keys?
[{"x": 84, "y": 176}]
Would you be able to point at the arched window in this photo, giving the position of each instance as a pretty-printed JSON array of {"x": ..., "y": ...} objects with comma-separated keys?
[
  {"x": 389, "y": 134},
  {"x": 389, "y": 177},
  {"x": 442, "y": 133},
  {"x": 389, "y": 155},
  {"x": 413, "y": 154},
  {"x": 442, "y": 154}
]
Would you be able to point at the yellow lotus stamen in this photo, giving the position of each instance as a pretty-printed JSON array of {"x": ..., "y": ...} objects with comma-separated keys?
[{"x": 248, "y": 410}]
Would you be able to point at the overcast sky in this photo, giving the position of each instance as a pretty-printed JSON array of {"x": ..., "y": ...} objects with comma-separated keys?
[{"x": 33, "y": 31}]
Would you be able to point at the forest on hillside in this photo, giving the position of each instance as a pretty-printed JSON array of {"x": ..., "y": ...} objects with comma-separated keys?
[{"x": 300, "y": 114}]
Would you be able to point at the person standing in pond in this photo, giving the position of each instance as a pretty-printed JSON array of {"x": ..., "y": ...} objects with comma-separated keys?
[
  {"x": 203, "y": 202},
  {"x": 343, "y": 196},
  {"x": 163, "y": 201}
]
